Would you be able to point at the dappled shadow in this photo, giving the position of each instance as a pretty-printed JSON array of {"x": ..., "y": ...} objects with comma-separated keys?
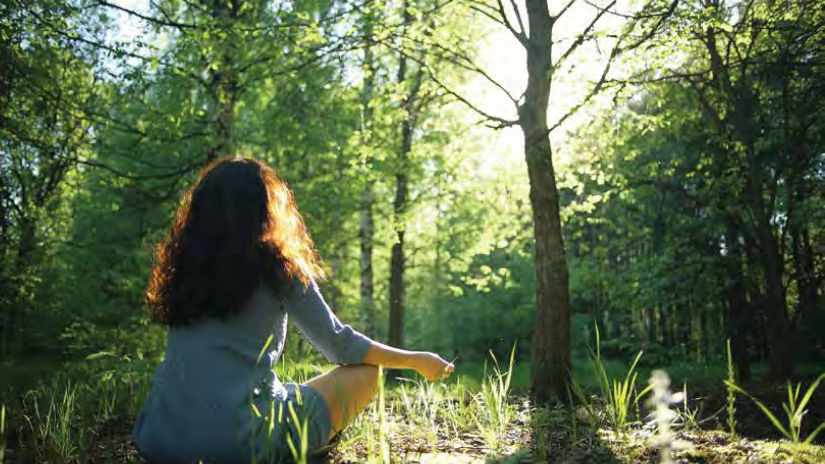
[
  {"x": 751, "y": 422},
  {"x": 559, "y": 435}
]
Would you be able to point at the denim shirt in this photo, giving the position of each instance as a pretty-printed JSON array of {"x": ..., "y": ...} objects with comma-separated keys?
[{"x": 199, "y": 402}]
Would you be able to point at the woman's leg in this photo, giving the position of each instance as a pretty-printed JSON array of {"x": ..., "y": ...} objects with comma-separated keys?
[{"x": 347, "y": 390}]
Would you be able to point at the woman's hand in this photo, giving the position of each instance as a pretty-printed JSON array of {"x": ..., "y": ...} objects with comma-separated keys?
[{"x": 431, "y": 366}]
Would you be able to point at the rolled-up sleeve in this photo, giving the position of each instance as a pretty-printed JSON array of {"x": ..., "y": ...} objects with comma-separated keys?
[{"x": 339, "y": 343}]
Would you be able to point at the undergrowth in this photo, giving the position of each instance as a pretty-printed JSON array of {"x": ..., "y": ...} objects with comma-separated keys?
[{"x": 462, "y": 420}]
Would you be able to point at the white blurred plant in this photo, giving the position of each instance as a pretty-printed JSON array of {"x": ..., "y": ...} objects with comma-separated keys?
[{"x": 660, "y": 400}]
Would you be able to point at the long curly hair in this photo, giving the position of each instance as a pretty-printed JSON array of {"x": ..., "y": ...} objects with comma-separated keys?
[{"x": 235, "y": 228}]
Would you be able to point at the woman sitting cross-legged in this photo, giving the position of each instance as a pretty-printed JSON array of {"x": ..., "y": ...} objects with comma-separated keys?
[{"x": 236, "y": 264}]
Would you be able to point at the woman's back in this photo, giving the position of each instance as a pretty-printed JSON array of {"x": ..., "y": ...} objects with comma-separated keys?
[
  {"x": 199, "y": 402},
  {"x": 200, "y": 405}
]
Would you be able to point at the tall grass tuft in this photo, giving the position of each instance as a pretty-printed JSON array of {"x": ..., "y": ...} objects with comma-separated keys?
[
  {"x": 457, "y": 408},
  {"x": 422, "y": 405},
  {"x": 795, "y": 409},
  {"x": 494, "y": 412},
  {"x": 617, "y": 395},
  {"x": 730, "y": 383},
  {"x": 55, "y": 434},
  {"x": 689, "y": 415}
]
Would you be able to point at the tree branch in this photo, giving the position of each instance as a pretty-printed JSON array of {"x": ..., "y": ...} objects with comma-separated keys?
[
  {"x": 160, "y": 22},
  {"x": 580, "y": 40},
  {"x": 564, "y": 10},
  {"x": 518, "y": 34},
  {"x": 501, "y": 122},
  {"x": 165, "y": 175}
]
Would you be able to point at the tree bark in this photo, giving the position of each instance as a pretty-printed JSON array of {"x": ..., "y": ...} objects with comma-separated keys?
[
  {"x": 337, "y": 246},
  {"x": 397, "y": 264},
  {"x": 366, "y": 223},
  {"x": 804, "y": 269},
  {"x": 736, "y": 305},
  {"x": 397, "y": 261},
  {"x": 551, "y": 346},
  {"x": 780, "y": 362},
  {"x": 223, "y": 84},
  {"x": 365, "y": 235}
]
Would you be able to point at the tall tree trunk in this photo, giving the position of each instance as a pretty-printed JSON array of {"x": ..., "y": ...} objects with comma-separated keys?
[
  {"x": 365, "y": 224},
  {"x": 551, "y": 345},
  {"x": 396, "y": 329},
  {"x": 223, "y": 85},
  {"x": 804, "y": 269},
  {"x": 337, "y": 246},
  {"x": 365, "y": 235},
  {"x": 736, "y": 303},
  {"x": 802, "y": 254},
  {"x": 401, "y": 201},
  {"x": 780, "y": 361},
  {"x": 15, "y": 301},
  {"x": 396, "y": 333}
]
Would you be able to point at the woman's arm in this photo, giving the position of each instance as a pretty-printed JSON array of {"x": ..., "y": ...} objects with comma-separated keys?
[
  {"x": 341, "y": 344},
  {"x": 430, "y": 365}
]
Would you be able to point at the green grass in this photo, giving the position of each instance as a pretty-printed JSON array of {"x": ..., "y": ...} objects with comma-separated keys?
[
  {"x": 494, "y": 412},
  {"x": 618, "y": 396},
  {"x": 476, "y": 415},
  {"x": 471, "y": 375},
  {"x": 795, "y": 409},
  {"x": 51, "y": 416}
]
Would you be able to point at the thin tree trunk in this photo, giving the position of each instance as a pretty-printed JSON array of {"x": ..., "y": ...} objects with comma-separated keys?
[
  {"x": 365, "y": 234},
  {"x": 396, "y": 329},
  {"x": 802, "y": 254},
  {"x": 396, "y": 332},
  {"x": 780, "y": 361},
  {"x": 401, "y": 201},
  {"x": 337, "y": 245},
  {"x": 736, "y": 305},
  {"x": 804, "y": 269},
  {"x": 366, "y": 222},
  {"x": 551, "y": 345},
  {"x": 16, "y": 304},
  {"x": 223, "y": 84}
]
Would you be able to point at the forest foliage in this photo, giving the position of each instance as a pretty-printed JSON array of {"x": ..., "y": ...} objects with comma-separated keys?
[{"x": 687, "y": 169}]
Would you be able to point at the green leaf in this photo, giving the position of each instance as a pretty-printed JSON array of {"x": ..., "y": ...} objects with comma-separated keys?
[
  {"x": 813, "y": 434},
  {"x": 810, "y": 391},
  {"x": 263, "y": 349}
]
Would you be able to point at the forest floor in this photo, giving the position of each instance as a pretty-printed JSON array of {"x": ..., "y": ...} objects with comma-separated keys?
[
  {"x": 525, "y": 441},
  {"x": 462, "y": 421}
]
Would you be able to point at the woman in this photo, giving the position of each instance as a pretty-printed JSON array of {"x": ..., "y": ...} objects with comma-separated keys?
[{"x": 237, "y": 263}]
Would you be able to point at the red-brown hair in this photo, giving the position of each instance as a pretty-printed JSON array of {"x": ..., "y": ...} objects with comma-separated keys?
[{"x": 236, "y": 227}]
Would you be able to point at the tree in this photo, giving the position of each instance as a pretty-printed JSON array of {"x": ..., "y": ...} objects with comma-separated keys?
[
  {"x": 753, "y": 66},
  {"x": 366, "y": 222},
  {"x": 411, "y": 106},
  {"x": 550, "y": 347},
  {"x": 682, "y": 141},
  {"x": 48, "y": 86}
]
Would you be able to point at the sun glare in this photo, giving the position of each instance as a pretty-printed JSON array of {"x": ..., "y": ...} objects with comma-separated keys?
[{"x": 503, "y": 59}]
